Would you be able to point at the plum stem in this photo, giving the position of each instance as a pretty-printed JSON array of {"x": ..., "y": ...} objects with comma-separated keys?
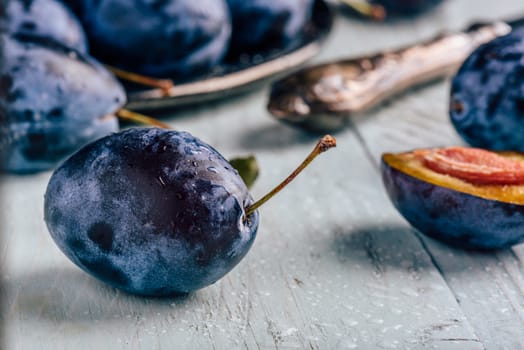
[
  {"x": 376, "y": 12},
  {"x": 128, "y": 115},
  {"x": 322, "y": 146},
  {"x": 164, "y": 84}
]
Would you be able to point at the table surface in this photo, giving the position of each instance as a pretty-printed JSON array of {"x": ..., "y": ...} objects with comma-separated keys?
[{"x": 334, "y": 266}]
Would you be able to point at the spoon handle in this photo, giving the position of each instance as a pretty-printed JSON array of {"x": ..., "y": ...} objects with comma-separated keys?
[{"x": 355, "y": 85}]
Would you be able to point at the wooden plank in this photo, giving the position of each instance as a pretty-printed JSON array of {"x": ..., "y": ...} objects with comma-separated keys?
[{"x": 488, "y": 287}]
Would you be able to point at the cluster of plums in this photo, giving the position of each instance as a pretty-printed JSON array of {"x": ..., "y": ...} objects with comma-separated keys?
[
  {"x": 181, "y": 38},
  {"x": 472, "y": 197},
  {"x": 55, "y": 97}
]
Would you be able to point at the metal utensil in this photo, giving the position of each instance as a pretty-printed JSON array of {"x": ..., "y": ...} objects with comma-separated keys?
[{"x": 321, "y": 97}]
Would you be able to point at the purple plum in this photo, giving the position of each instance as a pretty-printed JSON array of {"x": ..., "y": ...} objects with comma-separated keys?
[{"x": 150, "y": 211}]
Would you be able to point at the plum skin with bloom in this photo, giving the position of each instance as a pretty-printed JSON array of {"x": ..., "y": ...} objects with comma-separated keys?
[
  {"x": 486, "y": 99},
  {"x": 53, "y": 100},
  {"x": 266, "y": 24},
  {"x": 165, "y": 39},
  {"x": 150, "y": 211},
  {"x": 49, "y": 19}
]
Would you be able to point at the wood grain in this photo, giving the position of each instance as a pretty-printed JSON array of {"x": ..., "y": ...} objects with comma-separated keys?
[{"x": 488, "y": 287}]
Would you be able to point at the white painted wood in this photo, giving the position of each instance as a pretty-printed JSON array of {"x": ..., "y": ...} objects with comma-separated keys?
[
  {"x": 333, "y": 267},
  {"x": 488, "y": 287},
  {"x": 327, "y": 271}
]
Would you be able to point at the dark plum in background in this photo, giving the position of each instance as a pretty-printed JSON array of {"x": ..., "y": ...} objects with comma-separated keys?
[
  {"x": 451, "y": 210},
  {"x": 53, "y": 100},
  {"x": 487, "y": 95},
  {"x": 406, "y": 7},
  {"x": 45, "y": 18},
  {"x": 166, "y": 39},
  {"x": 267, "y": 24},
  {"x": 150, "y": 211}
]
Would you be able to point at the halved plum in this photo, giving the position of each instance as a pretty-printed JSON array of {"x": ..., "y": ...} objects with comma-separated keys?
[{"x": 467, "y": 197}]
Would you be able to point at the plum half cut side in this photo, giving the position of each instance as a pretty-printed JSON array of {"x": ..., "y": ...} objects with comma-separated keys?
[{"x": 457, "y": 211}]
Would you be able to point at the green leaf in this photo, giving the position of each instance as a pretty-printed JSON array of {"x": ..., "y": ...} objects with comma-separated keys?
[{"x": 247, "y": 168}]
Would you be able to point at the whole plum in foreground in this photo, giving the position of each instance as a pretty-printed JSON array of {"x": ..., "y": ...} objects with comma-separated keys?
[
  {"x": 150, "y": 211},
  {"x": 267, "y": 24},
  {"x": 467, "y": 197},
  {"x": 173, "y": 38},
  {"x": 487, "y": 95},
  {"x": 53, "y": 100},
  {"x": 44, "y": 18}
]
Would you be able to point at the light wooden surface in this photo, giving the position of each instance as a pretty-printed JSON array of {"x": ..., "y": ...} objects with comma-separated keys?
[{"x": 334, "y": 266}]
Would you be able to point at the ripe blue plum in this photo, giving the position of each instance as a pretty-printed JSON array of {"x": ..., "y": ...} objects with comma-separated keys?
[
  {"x": 266, "y": 24},
  {"x": 53, "y": 100},
  {"x": 150, "y": 211},
  {"x": 172, "y": 38},
  {"x": 46, "y": 18},
  {"x": 33, "y": 147},
  {"x": 487, "y": 100}
]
